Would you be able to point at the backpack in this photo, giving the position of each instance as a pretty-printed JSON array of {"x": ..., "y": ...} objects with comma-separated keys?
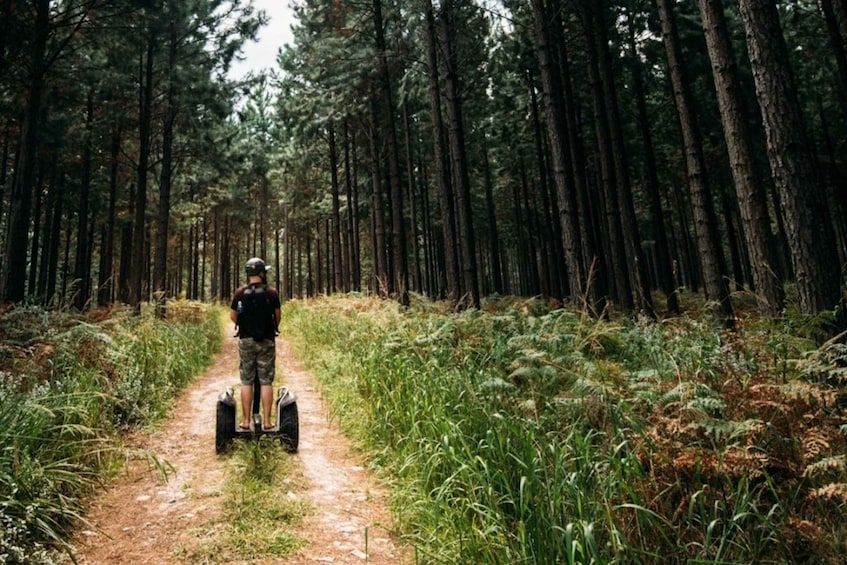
[{"x": 255, "y": 315}]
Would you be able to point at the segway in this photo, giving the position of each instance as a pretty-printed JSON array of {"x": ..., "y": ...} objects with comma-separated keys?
[{"x": 287, "y": 427}]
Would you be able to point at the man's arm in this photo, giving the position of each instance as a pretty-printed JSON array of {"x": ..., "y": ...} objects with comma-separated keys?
[{"x": 233, "y": 315}]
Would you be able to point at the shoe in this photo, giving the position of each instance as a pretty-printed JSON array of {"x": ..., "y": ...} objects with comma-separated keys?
[
  {"x": 244, "y": 428},
  {"x": 268, "y": 428}
]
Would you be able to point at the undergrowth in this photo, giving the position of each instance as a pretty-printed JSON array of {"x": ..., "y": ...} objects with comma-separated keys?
[
  {"x": 258, "y": 515},
  {"x": 522, "y": 434},
  {"x": 69, "y": 385}
]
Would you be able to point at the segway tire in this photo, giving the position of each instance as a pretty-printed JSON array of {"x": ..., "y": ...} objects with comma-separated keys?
[
  {"x": 289, "y": 427},
  {"x": 224, "y": 427}
]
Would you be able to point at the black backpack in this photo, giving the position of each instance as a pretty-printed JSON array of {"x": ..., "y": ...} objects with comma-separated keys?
[{"x": 255, "y": 314}]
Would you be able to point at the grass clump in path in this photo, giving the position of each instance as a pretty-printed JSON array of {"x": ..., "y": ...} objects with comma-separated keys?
[{"x": 259, "y": 511}]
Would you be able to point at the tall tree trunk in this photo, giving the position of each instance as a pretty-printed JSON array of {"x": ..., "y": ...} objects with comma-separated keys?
[
  {"x": 50, "y": 206},
  {"x": 523, "y": 259},
  {"x": 548, "y": 243},
  {"x": 801, "y": 199},
  {"x": 493, "y": 234},
  {"x": 585, "y": 198},
  {"x": 139, "y": 229},
  {"x": 712, "y": 263},
  {"x": 338, "y": 283},
  {"x": 4, "y": 170},
  {"x": 442, "y": 169},
  {"x": 413, "y": 206},
  {"x": 636, "y": 265},
  {"x": 731, "y": 238},
  {"x": 664, "y": 268},
  {"x": 619, "y": 281},
  {"x": 836, "y": 191},
  {"x": 528, "y": 221},
  {"x": 398, "y": 228},
  {"x": 36, "y": 230},
  {"x": 556, "y": 133},
  {"x": 82, "y": 265},
  {"x": 14, "y": 279},
  {"x": 378, "y": 215},
  {"x": 836, "y": 43},
  {"x": 458, "y": 154},
  {"x": 125, "y": 271},
  {"x": 55, "y": 240},
  {"x": 752, "y": 198},
  {"x": 160, "y": 264},
  {"x": 351, "y": 178},
  {"x": 107, "y": 246}
]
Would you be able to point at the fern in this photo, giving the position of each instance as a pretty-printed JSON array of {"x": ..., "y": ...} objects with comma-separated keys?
[
  {"x": 726, "y": 432},
  {"x": 836, "y": 492},
  {"x": 827, "y": 364},
  {"x": 707, "y": 405},
  {"x": 827, "y": 467}
]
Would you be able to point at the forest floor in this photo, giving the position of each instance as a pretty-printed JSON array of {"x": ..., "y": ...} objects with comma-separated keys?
[{"x": 143, "y": 518}]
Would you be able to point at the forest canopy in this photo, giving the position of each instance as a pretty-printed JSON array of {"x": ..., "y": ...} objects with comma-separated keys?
[{"x": 598, "y": 152}]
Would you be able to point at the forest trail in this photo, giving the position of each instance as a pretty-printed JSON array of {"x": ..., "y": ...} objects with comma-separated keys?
[{"x": 140, "y": 518}]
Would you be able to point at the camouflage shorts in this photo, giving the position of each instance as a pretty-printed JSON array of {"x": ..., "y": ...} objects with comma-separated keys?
[{"x": 257, "y": 355}]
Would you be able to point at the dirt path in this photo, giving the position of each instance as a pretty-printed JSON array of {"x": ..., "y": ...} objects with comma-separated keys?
[{"x": 142, "y": 519}]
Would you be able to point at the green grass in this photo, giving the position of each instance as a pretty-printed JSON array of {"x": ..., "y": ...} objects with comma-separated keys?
[
  {"x": 520, "y": 434},
  {"x": 258, "y": 515},
  {"x": 68, "y": 386}
]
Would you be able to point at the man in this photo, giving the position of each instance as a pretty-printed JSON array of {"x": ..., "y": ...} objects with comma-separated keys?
[{"x": 255, "y": 309}]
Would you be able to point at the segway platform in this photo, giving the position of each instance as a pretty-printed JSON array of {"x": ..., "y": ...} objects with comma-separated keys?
[{"x": 287, "y": 428}]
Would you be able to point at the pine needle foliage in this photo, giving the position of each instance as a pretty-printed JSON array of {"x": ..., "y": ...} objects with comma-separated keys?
[
  {"x": 525, "y": 434},
  {"x": 68, "y": 387}
]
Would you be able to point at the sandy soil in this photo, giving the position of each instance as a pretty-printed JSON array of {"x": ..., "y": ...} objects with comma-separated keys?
[{"x": 140, "y": 518}]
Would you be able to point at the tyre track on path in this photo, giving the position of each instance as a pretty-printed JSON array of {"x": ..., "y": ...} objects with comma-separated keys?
[{"x": 140, "y": 518}]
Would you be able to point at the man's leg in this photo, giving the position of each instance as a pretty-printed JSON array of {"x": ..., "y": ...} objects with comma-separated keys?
[
  {"x": 246, "y": 404},
  {"x": 267, "y": 401},
  {"x": 247, "y": 370},
  {"x": 266, "y": 364}
]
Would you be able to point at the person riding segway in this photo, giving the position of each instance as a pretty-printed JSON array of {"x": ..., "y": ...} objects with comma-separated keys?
[{"x": 255, "y": 309}]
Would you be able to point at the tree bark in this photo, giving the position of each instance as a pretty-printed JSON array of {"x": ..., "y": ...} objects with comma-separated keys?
[
  {"x": 139, "y": 228},
  {"x": 398, "y": 228},
  {"x": 106, "y": 281},
  {"x": 636, "y": 265},
  {"x": 618, "y": 278},
  {"x": 493, "y": 234},
  {"x": 556, "y": 134},
  {"x": 664, "y": 267},
  {"x": 352, "y": 185},
  {"x": 788, "y": 146},
  {"x": 338, "y": 283},
  {"x": 752, "y": 198},
  {"x": 160, "y": 257},
  {"x": 442, "y": 169},
  {"x": 414, "y": 231},
  {"x": 458, "y": 154},
  {"x": 82, "y": 265},
  {"x": 712, "y": 262},
  {"x": 377, "y": 214},
  {"x": 14, "y": 280}
]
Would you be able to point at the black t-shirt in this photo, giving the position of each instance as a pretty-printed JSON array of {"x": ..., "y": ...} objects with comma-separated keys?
[{"x": 273, "y": 303}]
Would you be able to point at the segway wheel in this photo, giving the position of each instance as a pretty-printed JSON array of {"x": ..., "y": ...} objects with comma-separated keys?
[
  {"x": 224, "y": 427},
  {"x": 289, "y": 427}
]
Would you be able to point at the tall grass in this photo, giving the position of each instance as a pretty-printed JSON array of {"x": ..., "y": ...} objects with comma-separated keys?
[
  {"x": 523, "y": 435},
  {"x": 67, "y": 388}
]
